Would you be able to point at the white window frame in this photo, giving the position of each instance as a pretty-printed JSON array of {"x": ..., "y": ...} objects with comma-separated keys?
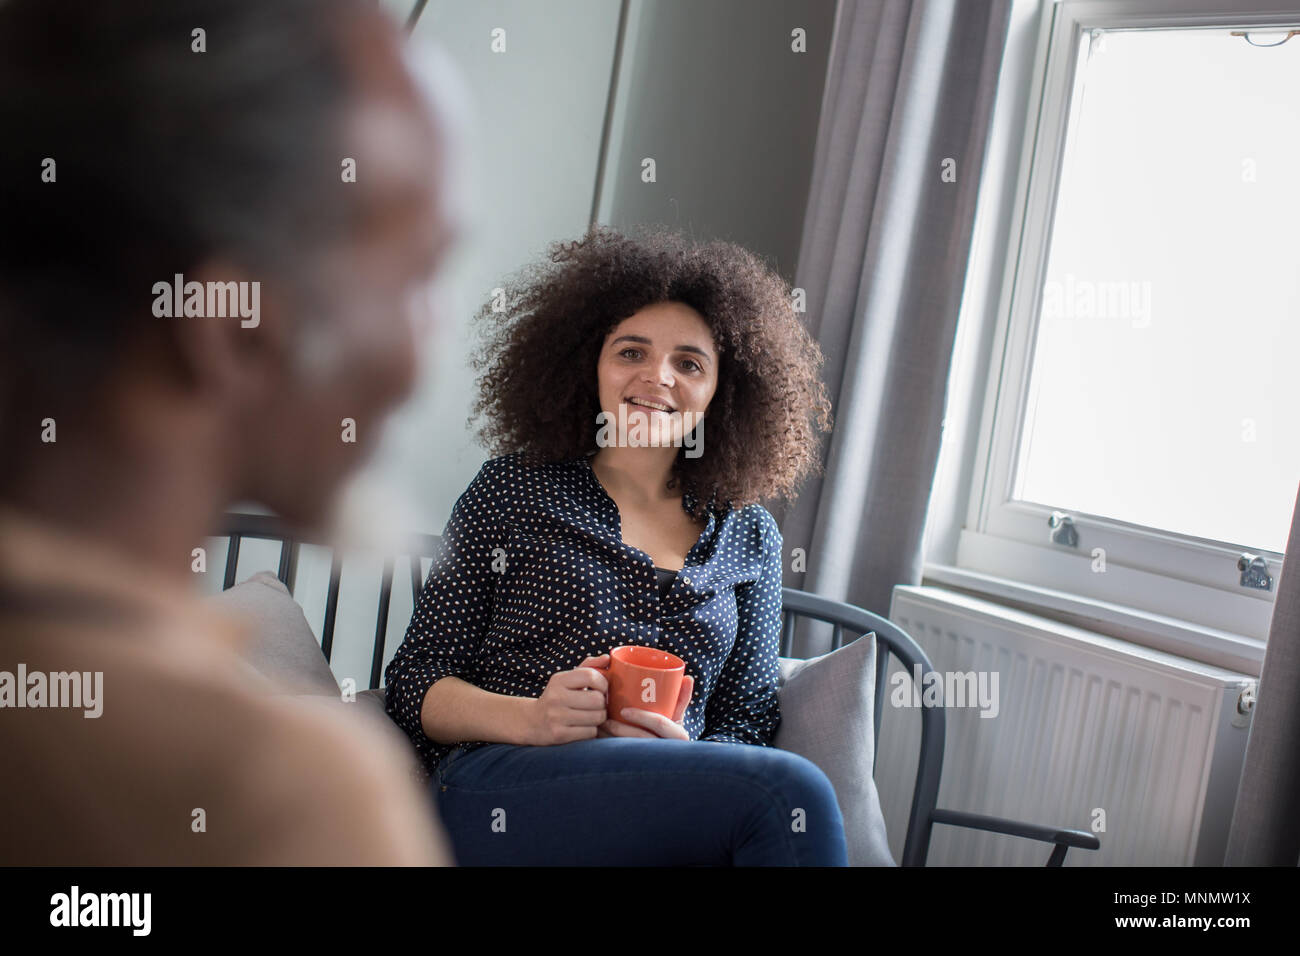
[{"x": 1181, "y": 593}]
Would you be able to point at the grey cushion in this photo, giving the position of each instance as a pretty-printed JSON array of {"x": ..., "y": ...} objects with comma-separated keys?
[
  {"x": 282, "y": 647},
  {"x": 827, "y": 715},
  {"x": 284, "y": 651}
]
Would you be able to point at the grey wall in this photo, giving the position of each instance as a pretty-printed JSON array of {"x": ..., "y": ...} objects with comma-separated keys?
[{"x": 713, "y": 92}]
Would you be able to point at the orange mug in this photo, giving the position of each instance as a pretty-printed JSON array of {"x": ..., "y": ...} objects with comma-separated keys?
[{"x": 643, "y": 677}]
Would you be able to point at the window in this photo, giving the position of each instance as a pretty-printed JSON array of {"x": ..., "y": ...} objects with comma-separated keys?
[{"x": 1144, "y": 448}]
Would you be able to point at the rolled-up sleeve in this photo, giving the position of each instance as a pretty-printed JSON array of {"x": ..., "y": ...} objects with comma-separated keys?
[
  {"x": 743, "y": 707},
  {"x": 454, "y": 610}
]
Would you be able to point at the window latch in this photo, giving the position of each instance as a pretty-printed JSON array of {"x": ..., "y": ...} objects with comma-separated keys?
[
  {"x": 1064, "y": 532},
  {"x": 1254, "y": 572},
  {"x": 1246, "y": 695}
]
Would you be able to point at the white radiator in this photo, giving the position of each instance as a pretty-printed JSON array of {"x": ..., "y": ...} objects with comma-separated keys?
[{"x": 1084, "y": 722}]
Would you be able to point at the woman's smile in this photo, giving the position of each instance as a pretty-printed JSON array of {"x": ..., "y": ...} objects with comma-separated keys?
[{"x": 654, "y": 404}]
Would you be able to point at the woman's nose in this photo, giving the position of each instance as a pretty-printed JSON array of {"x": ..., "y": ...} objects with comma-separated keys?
[{"x": 661, "y": 376}]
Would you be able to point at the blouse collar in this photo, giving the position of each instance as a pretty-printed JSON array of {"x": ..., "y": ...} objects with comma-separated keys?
[{"x": 689, "y": 499}]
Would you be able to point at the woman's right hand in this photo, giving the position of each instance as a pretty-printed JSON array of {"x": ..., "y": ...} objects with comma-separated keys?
[{"x": 572, "y": 706}]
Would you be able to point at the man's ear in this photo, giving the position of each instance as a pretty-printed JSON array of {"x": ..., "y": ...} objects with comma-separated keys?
[{"x": 238, "y": 345}]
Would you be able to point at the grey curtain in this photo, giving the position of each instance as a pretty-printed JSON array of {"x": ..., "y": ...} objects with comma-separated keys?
[
  {"x": 909, "y": 94},
  {"x": 1265, "y": 824}
]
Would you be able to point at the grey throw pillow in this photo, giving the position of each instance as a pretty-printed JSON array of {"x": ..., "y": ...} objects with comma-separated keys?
[
  {"x": 828, "y": 716},
  {"x": 282, "y": 646}
]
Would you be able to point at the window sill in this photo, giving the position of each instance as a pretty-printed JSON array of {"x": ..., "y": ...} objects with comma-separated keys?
[{"x": 1187, "y": 639}]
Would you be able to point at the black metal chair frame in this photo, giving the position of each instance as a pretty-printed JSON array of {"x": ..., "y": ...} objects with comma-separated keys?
[{"x": 924, "y": 813}]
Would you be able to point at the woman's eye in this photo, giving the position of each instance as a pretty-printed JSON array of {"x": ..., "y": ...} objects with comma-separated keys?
[{"x": 691, "y": 363}]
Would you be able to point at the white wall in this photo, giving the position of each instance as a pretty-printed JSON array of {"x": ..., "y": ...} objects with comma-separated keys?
[{"x": 536, "y": 116}]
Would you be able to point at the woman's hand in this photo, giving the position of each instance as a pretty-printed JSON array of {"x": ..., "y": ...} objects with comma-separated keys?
[
  {"x": 572, "y": 705},
  {"x": 646, "y": 723}
]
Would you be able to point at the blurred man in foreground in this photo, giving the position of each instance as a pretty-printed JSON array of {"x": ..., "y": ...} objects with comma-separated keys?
[{"x": 218, "y": 219}]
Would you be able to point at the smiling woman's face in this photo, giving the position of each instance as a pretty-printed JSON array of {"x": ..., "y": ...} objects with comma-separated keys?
[{"x": 665, "y": 354}]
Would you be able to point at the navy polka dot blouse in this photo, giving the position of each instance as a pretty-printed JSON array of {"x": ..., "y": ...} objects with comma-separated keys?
[{"x": 532, "y": 577}]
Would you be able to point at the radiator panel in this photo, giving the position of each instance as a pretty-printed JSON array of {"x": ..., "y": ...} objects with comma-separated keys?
[{"x": 1084, "y": 721}]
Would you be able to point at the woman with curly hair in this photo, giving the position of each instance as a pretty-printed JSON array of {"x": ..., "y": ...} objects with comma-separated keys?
[{"x": 609, "y": 519}]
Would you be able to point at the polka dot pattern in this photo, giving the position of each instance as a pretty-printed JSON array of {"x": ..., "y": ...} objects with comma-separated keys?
[{"x": 532, "y": 577}]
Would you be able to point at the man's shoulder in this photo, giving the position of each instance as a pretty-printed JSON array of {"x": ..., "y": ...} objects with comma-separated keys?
[
  {"x": 318, "y": 780},
  {"x": 191, "y": 762}
]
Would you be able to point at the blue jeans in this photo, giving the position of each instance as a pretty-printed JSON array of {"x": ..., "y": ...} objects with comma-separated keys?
[{"x": 621, "y": 801}]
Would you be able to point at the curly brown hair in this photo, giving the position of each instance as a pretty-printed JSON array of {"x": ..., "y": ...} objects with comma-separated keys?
[{"x": 553, "y": 316}]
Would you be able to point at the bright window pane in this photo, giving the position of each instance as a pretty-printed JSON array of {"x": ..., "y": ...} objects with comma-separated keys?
[{"x": 1165, "y": 382}]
